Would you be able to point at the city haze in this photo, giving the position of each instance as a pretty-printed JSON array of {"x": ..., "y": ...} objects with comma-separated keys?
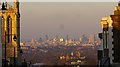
[{"x": 62, "y": 18}]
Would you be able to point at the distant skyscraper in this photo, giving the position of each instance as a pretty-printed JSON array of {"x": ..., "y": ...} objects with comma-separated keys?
[
  {"x": 46, "y": 37},
  {"x": 67, "y": 37},
  {"x": 92, "y": 39},
  {"x": 84, "y": 39},
  {"x": 80, "y": 39},
  {"x": 40, "y": 40},
  {"x": 56, "y": 36}
]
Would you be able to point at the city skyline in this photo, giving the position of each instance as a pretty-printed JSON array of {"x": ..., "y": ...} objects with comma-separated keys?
[
  {"x": 62, "y": 18},
  {"x": 69, "y": 31}
]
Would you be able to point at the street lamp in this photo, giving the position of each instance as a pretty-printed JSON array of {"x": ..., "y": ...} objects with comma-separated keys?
[{"x": 15, "y": 39}]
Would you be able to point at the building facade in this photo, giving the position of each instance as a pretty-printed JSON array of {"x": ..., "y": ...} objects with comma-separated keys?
[
  {"x": 0, "y": 43},
  {"x": 10, "y": 31},
  {"x": 110, "y": 37},
  {"x": 116, "y": 34}
]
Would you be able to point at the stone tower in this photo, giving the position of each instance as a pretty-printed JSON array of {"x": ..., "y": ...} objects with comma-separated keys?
[{"x": 10, "y": 31}]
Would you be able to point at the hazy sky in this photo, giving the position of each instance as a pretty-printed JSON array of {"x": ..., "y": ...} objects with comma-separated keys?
[{"x": 62, "y": 18}]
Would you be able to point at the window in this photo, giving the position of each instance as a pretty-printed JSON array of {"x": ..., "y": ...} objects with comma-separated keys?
[{"x": 9, "y": 29}]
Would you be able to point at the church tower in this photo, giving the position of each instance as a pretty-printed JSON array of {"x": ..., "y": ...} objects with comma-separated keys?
[{"x": 10, "y": 32}]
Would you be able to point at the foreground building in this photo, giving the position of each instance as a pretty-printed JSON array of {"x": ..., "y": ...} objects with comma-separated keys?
[
  {"x": 10, "y": 33},
  {"x": 109, "y": 52}
]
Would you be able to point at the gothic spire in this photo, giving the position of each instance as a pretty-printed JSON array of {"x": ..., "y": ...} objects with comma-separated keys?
[
  {"x": 16, "y": 5},
  {"x": 3, "y": 6}
]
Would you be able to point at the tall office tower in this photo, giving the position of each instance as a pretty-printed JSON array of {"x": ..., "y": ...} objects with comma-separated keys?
[
  {"x": 10, "y": 25},
  {"x": 46, "y": 37},
  {"x": 57, "y": 36},
  {"x": 67, "y": 37},
  {"x": 40, "y": 40},
  {"x": 84, "y": 39},
  {"x": 92, "y": 39}
]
